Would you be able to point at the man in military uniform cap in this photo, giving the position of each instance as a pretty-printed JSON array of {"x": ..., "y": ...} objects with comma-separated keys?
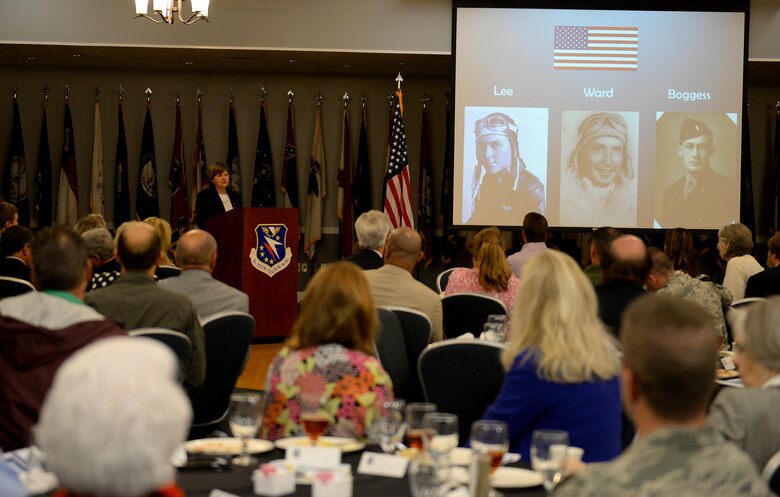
[
  {"x": 502, "y": 189},
  {"x": 702, "y": 198}
]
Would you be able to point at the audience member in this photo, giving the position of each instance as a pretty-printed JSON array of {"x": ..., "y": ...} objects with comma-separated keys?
[
  {"x": 599, "y": 243},
  {"x": 662, "y": 279},
  {"x": 89, "y": 222},
  {"x": 135, "y": 301},
  {"x": 534, "y": 235},
  {"x": 681, "y": 249},
  {"x": 100, "y": 248},
  {"x": 490, "y": 275},
  {"x": 9, "y": 215},
  {"x": 624, "y": 270},
  {"x": 668, "y": 375},
  {"x": 165, "y": 268},
  {"x": 562, "y": 365},
  {"x": 735, "y": 242},
  {"x": 218, "y": 197},
  {"x": 748, "y": 416},
  {"x": 393, "y": 284},
  {"x": 112, "y": 419},
  {"x": 17, "y": 254},
  {"x": 41, "y": 329},
  {"x": 328, "y": 362},
  {"x": 371, "y": 229},
  {"x": 196, "y": 255},
  {"x": 767, "y": 282}
]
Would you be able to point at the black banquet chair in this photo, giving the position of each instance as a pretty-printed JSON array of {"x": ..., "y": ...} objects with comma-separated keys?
[
  {"x": 462, "y": 377},
  {"x": 11, "y": 287},
  {"x": 468, "y": 312},
  {"x": 391, "y": 350},
  {"x": 178, "y": 342},
  {"x": 417, "y": 330},
  {"x": 443, "y": 278},
  {"x": 228, "y": 338}
]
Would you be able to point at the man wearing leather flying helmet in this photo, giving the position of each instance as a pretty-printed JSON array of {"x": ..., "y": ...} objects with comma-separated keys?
[{"x": 503, "y": 190}]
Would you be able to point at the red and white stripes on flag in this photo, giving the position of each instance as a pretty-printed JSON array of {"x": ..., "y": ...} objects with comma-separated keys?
[
  {"x": 316, "y": 191},
  {"x": 398, "y": 190},
  {"x": 96, "y": 199},
  {"x": 602, "y": 48}
]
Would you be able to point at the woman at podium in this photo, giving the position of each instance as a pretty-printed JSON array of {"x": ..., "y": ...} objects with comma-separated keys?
[{"x": 217, "y": 197}]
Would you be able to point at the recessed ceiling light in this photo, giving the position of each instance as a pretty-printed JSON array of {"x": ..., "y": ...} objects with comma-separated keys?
[
  {"x": 189, "y": 62},
  {"x": 402, "y": 63},
  {"x": 292, "y": 61},
  {"x": 77, "y": 55},
  {"x": 347, "y": 66},
  {"x": 32, "y": 58}
]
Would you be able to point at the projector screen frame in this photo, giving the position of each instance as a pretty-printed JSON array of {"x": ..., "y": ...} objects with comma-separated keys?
[{"x": 458, "y": 221}]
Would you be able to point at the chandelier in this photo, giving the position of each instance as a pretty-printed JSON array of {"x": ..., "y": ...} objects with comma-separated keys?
[{"x": 165, "y": 11}]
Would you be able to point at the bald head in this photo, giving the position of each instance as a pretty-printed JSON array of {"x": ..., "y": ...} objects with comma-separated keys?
[
  {"x": 196, "y": 249},
  {"x": 137, "y": 246},
  {"x": 626, "y": 259},
  {"x": 404, "y": 248}
]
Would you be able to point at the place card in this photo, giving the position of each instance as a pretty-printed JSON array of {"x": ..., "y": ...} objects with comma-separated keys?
[
  {"x": 376, "y": 464},
  {"x": 314, "y": 457},
  {"x": 728, "y": 363}
]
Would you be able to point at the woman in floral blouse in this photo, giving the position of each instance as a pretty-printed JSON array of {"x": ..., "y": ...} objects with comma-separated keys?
[
  {"x": 329, "y": 357},
  {"x": 491, "y": 275}
]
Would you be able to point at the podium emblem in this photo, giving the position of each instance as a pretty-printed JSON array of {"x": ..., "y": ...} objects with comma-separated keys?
[{"x": 271, "y": 253}]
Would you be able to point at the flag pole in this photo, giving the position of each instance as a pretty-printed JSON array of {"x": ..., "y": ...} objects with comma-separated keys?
[
  {"x": 67, "y": 92},
  {"x": 777, "y": 180},
  {"x": 121, "y": 92},
  {"x": 263, "y": 93},
  {"x": 148, "y": 93},
  {"x": 15, "y": 89}
]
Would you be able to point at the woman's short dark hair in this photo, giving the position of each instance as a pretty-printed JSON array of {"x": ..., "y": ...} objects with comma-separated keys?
[{"x": 215, "y": 170}]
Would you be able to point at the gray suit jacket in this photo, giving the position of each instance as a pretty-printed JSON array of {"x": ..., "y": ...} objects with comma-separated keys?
[
  {"x": 748, "y": 417},
  {"x": 210, "y": 296}
]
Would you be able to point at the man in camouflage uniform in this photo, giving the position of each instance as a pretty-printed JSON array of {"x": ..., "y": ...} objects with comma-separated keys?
[
  {"x": 664, "y": 280},
  {"x": 667, "y": 379}
]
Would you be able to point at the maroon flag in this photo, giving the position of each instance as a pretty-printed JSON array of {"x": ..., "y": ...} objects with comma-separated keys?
[
  {"x": 43, "y": 193},
  {"x": 425, "y": 203},
  {"x": 290, "y": 163},
  {"x": 68, "y": 191},
  {"x": 344, "y": 205},
  {"x": 398, "y": 197},
  {"x": 199, "y": 177},
  {"x": 177, "y": 179}
]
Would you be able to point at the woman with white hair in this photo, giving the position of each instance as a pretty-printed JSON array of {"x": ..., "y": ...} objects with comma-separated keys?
[
  {"x": 562, "y": 365},
  {"x": 735, "y": 242},
  {"x": 748, "y": 416},
  {"x": 112, "y": 419}
]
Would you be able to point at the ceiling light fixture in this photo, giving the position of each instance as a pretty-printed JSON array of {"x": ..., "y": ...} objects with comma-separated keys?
[{"x": 166, "y": 11}]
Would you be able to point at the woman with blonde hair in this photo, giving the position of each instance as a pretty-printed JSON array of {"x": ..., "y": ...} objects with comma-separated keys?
[
  {"x": 490, "y": 275},
  {"x": 562, "y": 365},
  {"x": 329, "y": 358},
  {"x": 164, "y": 231}
]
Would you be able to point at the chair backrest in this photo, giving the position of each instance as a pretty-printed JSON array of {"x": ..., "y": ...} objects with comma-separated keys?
[
  {"x": 391, "y": 349},
  {"x": 771, "y": 475},
  {"x": 11, "y": 287},
  {"x": 467, "y": 313},
  {"x": 737, "y": 304},
  {"x": 228, "y": 338},
  {"x": 462, "y": 377},
  {"x": 178, "y": 342},
  {"x": 443, "y": 278},
  {"x": 167, "y": 271},
  {"x": 417, "y": 330},
  {"x": 746, "y": 302}
]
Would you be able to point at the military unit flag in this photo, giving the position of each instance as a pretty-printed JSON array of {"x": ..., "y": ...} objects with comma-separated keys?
[
  {"x": 344, "y": 203},
  {"x": 199, "y": 167},
  {"x": 263, "y": 177},
  {"x": 96, "y": 199},
  {"x": 68, "y": 191},
  {"x": 43, "y": 192},
  {"x": 290, "y": 163},
  {"x": 425, "y": 202},
  {"x": 146, "y": 201},
  {"x": 315, "y": 191},
  {"x": 361, "y": 193},
  {"x": 121, "y": 176},
  {"x": 177, "y": 179},
  {"x": 232, "y": 161},
  {"x": 16, "y": 170}
]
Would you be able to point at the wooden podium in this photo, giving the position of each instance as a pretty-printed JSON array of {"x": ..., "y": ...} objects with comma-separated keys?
[{"x": 258, "y": 254}]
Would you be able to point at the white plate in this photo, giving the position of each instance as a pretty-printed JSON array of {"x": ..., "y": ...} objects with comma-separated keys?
[
  {"x": 345, "y": 444},
  {"x": 505, "y": 477},
  {"x": 226, "y": 446}
]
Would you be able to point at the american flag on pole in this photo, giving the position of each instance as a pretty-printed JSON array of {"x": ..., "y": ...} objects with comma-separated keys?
[
  {"x": 604, "y": 48},
  {"x": 398, "y": 197}
]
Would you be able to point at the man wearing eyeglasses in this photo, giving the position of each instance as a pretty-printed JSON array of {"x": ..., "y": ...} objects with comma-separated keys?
[
  {"x": 502, "y": 189},
  {"x": 700, "y": 199}
]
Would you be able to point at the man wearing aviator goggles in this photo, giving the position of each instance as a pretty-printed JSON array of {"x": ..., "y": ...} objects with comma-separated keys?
[{"x": 502, "y": 188}]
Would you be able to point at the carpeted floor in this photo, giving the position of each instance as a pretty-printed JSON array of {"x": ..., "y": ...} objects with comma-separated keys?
[{"x": 260, "y": 358}]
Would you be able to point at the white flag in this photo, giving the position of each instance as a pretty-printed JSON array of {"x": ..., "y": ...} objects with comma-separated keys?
[
  {"x": 316, "y": 191},
  {"x": 96, "y": 199}
]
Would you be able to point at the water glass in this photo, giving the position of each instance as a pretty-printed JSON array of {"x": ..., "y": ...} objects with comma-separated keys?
[
  {"x": 246, "y": 415},
  {"x": 548, "y": 452},
  {"x": 388, "y": 428},
  {"x": 440, "y": 435}
]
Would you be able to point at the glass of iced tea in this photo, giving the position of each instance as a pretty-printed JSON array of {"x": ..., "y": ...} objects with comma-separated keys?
[
  {"x": 490, "y": 438},
  {"x": 314, "y": 419},
  {"x": 414, "y": 422}
]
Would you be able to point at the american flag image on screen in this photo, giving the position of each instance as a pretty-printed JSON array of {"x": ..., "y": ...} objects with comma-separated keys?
[{"x": 603, "y": 48}]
